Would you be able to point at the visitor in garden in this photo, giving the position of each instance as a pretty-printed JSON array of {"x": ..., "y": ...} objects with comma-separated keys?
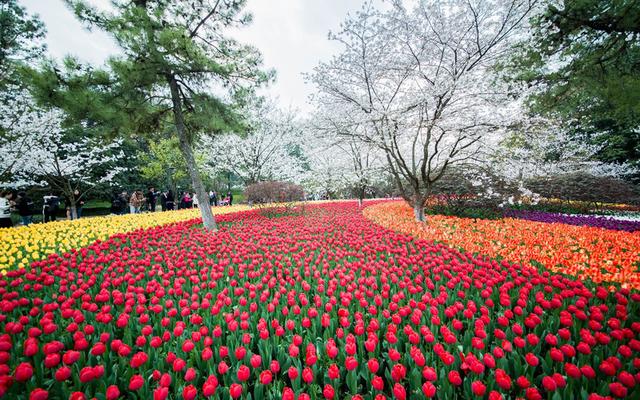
[
  {"x": 163, "y": 201},
  {"x": 24, "y": 205},
  {"x": 194, "y": 201},
  {"x": 79, "y": 205},
  {"x": 151, "y": 199},
  {"x": 170, "y": 200},
  {"x": 115, "y": 203},
  {"x": 230, "y": 197},
  {"x": 213, "y": 198},
  {"x": 5, "y": 209},
  {"x": 124, "y": 200},
  {"x": 185, "y": 201},
  {"x": 50, "y": 208},
  {"x": 136, "y": 202}
]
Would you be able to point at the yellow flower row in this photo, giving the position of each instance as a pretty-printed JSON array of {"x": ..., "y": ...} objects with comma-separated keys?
[{"x": 19, "y": 246}]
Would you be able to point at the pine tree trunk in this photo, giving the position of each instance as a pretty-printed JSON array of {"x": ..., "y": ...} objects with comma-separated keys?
[{"x": 208, "y": 220}]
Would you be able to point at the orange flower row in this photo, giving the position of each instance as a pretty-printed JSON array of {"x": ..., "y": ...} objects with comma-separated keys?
[{"x": 585, "y": 252}]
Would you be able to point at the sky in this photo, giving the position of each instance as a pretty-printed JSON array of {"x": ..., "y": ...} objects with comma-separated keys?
[{"x": 291, "y": 35}]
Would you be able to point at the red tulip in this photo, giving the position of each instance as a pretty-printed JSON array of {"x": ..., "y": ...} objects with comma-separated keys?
[
  {"x": 373, "y": 365},
  {"x": 398, "y": 372},
  {"x": 190, "y": 375},
  {"x": 429, "y": 389},
  {"x": 189, "y": 392},
  {"x": 618, "y": 390},
  {"x": 454, "y": 378},
  {"x": 293, "y": 373},
  {"x": 38, "y": 394},
  {"x": 328, "y": 392},
  {"x": 350, "y": 363},
  {"x": 160, "y": 393},
  {"x": 533, "y": 394},
  {"x": 23, "y": 372},
  {"x": 333, "y": 372},
  {"x": 136, "y": 382},
  {"x": 399, "y": 392},
  {"x": 377, "y": 383},
  {"x": 307, "y": 375},
  {"x": 256, "y": 361},
  {"x": 138, "y": 359},
  {"x": 549, "y": 384},
  {"x": 235, "y": 390},
  {"x": 288, "y": 394},
  {"x": 112, "y": 392},
  {"x": 478, "y": 388},
  {"x": 265, "y": 377},
  {"x": 62, "y": 374}
]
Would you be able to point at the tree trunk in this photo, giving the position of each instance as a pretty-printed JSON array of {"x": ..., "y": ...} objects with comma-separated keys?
[
  {"x": 418, "y": 209},
  {"x": 74, "y": 210},
  {"x": 208, "y": 220}
]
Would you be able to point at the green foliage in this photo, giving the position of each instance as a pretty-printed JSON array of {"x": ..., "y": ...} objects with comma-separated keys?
[
  {"x": 164, "y": 163},
  {"x": 20, "y": 40},
  {"x": 470, "y": 212},
  {"x": 584, "y": 59},
  {"x": 166, "y": 42}
]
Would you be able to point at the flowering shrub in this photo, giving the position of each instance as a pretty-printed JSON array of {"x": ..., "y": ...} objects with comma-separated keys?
[
  {"x": 325, "y": 305},
  {"x": 274, "y": 192},
  {"x": 21, "y": 245},
  {"x": 579, "y": 220},
  {"x": 585, "y": 252}
]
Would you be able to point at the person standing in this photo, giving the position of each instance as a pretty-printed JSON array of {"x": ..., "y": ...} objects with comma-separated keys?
[
  {"x": 50, "y": 208},
  {"x": 163, "y": 201},
  {"x": 24, "y": 205},
  {"x": 5, "y": 209},
  {"x": 124, "y": 200},
  {"x": 136, "y": 202},
  {"x": 194, "y": 201},
  {"x": 151, "y": 199},
  {"x": 171, "y": 200},
  {"x": 79, "y": 205},
  {"x": 214, "y": 199},
  {"x": 230, "y": 196}
]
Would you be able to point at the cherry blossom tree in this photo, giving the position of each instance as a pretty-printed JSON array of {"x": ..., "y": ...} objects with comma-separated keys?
[
  {"x": 340, "y": 160},
  {"x": 270, "y": 150},
  {"x": 421, "y": 81},
  {"x": 542, "y": 147},
  {"x": 20, "y": 126},
  {"x": 36, "y": 151}
]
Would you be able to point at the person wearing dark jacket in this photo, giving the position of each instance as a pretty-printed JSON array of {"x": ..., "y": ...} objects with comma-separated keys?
[
  {"x": 50, "y": 207},
  {"x": 163, "y": 201},
  {"x": 24, "y": 205},
  {"x": 230, "y": 196},
  {"x": 151, "y": 199},
  {"x": 170, "y": 200}
]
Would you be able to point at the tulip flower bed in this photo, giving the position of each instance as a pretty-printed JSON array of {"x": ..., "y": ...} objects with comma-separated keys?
[
  {"x": 320, "y": 305},
  {"x": 584, "y": 252},
  {"x": 596, "y": 221},
  {"x": 22, "y": 245}
]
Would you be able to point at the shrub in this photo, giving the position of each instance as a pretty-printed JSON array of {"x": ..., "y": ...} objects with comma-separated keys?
[
  {"x": 591, "y": 189},
  {"x": 264, "y": 194},
  {"x": 273, "y": 192}
]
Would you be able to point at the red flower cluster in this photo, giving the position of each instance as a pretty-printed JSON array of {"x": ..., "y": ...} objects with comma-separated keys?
[{"x": 320, "y": 305}]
